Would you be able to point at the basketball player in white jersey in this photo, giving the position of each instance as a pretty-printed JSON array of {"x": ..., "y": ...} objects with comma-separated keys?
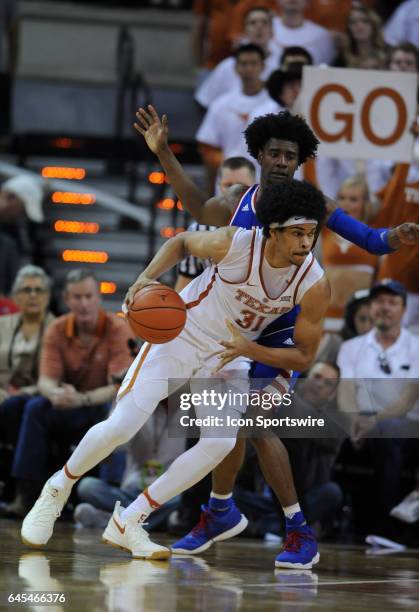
[{"x": 256, "y": 275}]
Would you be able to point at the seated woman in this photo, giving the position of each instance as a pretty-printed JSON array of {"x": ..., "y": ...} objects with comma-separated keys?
[
  {"x": 347, "y": 267},
  {"x": 357, "y": 321},
  {"x": 20, "y": 341}
]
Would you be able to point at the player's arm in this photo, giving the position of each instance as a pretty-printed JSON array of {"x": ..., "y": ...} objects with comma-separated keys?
[
  {"x": 215, "y": 211},
  {"x": 213, "y": 244},
  {"x": 307, "y": 335},
  {"x": 377, "y": 241}
]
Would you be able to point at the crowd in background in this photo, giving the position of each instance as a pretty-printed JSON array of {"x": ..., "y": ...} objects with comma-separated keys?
[{"x": 58, "y": 376}]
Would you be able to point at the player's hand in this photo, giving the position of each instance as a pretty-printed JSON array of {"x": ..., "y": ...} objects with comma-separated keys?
[
  {"x": 404, "y": 234},
  {"x": 142, "y": 281},
  {"x": 237, "y": 346},
  {"x": 154, "y": 129}
]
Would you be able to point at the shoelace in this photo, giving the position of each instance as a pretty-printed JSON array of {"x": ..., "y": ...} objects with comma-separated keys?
[
  {"x": 204, "y": 519},
  {"x": 44, "y": 504},
  {"x": 293, "y": 540}
]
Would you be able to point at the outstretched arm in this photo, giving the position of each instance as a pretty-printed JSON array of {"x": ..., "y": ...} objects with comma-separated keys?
[
  {"x": 216, "y": 211},
  {"x": 214, "y": 245},
  {"x": 307, "y": 334},
  {"x": 377, "y": 241}
]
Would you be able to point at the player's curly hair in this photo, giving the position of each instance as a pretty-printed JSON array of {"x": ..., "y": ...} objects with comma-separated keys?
[
  {"x": 290, "y": 198},
  {"x": 283, "y": 126}
]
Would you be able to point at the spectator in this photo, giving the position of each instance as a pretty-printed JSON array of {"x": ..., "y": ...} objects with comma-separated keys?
[
  {"x": 357, "y": 321},
  {"x": 402, "y": 58},
  {"x": 20, "y": 340},
  {"x": 210, "y": 42},
  {"x": 9, "y": 27},
  {"x": 376, "y": 367},
  {"x": 83, "y": 358},
  {"x": 292, "y": 27},
  {"x": 21, "y": 333},
  {"x": 312, "y": 458},
  {"x": 330, "y": 14},
  {"x": 220, "y": 134},
  {"x": 333, "y": 14},
  {"x": 399, "y": 203},
  {"x": 20, "y": 203},
  {"x": 347, "y": 267},
  {"x": 403, "y": 25},
  {"x": 364, "y": 45},
  {"x": 149, "y": 453},
  {"x": 284, "y": 85},
  {"x": 233, "y": 171},
  {"x": 224, "y": 78},
  {"x": 240, "y": 12}
]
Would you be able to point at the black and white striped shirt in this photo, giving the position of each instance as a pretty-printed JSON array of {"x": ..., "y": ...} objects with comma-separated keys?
[{"x": 192, "y": 266}]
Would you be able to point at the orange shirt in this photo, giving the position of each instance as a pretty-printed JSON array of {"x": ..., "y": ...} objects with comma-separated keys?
[
  {"x": 65, "y": 358},
  {"x": 336, "y": 251},
  {"x": 348, "y": 268},
  {"x": 218, "y": 14},
  {"x": 400, "y": 203}
]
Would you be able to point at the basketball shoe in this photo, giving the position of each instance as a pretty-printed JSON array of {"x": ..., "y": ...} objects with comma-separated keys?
[
  {"x": 129, "y": 535},
  {"x": 212, "y": 527},
  {"x": 299, "y": 550},
  {"x": 38, "y": 525}
]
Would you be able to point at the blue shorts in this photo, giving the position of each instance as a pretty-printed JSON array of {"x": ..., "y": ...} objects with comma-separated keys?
[{"x": 279, "y": 334}]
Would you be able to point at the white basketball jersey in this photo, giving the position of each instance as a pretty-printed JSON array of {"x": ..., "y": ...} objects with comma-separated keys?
[{"x": 244, "y": 289}]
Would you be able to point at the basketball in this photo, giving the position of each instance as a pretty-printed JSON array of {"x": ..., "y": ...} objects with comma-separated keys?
[{"x": 157, "y": 315}]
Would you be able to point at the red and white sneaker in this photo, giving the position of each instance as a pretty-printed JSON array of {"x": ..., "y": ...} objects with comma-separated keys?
[
  {"x": 38, "y": 525},
  {"x": 130, "y": 535}
]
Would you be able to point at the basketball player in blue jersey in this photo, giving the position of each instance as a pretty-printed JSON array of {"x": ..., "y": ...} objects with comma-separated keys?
[{"x": 280, "y": 143}]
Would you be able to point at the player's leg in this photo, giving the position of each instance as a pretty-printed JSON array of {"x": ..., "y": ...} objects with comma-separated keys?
[
  {"x": 185, "y": 471},
  {"x": 274, "y": 462},
  {"x": 220, "y": 518},
  {"x": 300, "y": 549},
  {"x": 126, "y": 419}
]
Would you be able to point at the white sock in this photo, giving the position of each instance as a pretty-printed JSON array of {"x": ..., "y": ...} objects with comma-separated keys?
[
  {"x": 63, "y": 480},
  {"x": 140, "y": 508},
  {"x": 219, "y": 496},
  {"x": 289, "y": 511}
]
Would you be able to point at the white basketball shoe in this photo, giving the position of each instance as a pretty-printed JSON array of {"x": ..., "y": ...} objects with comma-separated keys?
[
  {"x": 130, "y": 535},
  {"x": 38, "y": 524}
]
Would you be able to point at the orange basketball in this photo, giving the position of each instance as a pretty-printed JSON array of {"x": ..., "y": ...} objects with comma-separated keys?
[{"x": 157, "y": 315}]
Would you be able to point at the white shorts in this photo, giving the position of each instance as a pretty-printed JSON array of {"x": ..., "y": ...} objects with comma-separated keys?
[{"x": 177, "y": 361}]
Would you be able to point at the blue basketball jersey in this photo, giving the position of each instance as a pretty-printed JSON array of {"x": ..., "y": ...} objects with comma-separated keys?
[
  {"x": 245, "y": 213},
  {"x": 278, "y": 334}
]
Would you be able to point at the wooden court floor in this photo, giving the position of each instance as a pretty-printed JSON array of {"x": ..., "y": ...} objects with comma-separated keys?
[{"x": 232, "y": 576}]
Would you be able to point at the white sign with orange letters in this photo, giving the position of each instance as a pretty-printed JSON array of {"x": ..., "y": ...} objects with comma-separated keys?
[{"x": 361, "y": 114}]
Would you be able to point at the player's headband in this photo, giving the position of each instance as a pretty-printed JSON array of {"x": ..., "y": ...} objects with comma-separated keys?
[{"x": 292, "y": 221}]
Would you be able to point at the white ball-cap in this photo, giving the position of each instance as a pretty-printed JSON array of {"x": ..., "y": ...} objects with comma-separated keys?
[{"x": 29, "y": 190}]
